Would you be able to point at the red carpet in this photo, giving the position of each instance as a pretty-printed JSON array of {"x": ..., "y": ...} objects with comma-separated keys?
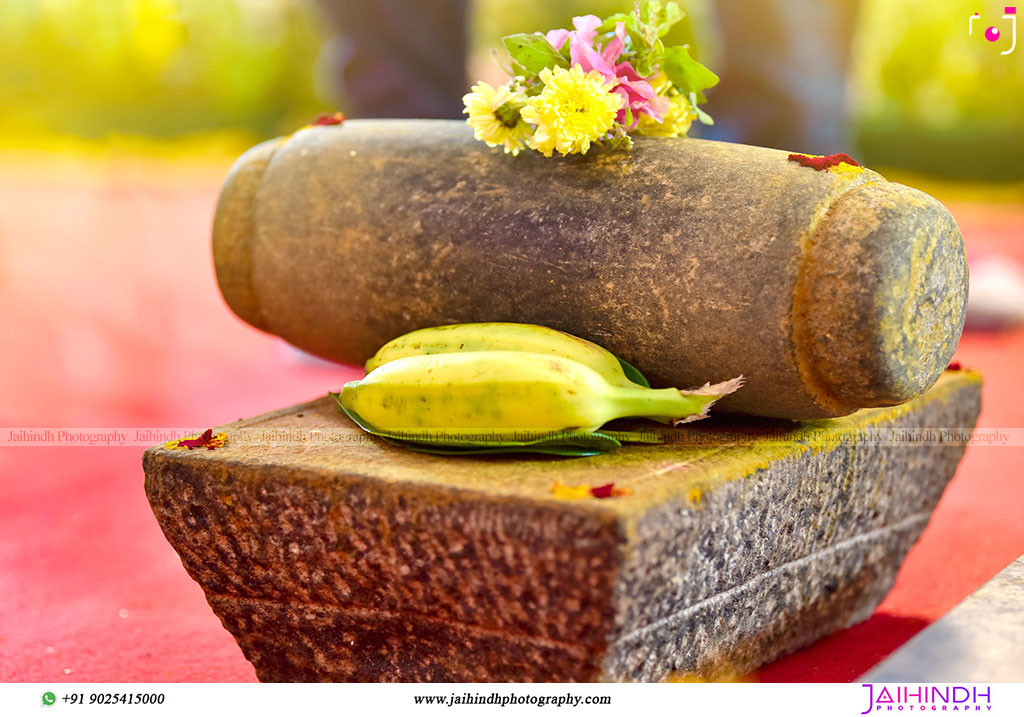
[{"x": 111, "y": 317}]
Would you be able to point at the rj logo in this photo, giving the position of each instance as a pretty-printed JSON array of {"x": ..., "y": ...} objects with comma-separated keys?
[{"x": 992, "y": 34}]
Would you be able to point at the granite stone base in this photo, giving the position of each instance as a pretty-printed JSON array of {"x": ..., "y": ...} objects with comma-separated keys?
[{"x": 332, "y": 556}]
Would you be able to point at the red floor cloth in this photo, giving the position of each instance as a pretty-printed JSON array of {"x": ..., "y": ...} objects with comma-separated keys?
[{"x": 111, "y": 317}]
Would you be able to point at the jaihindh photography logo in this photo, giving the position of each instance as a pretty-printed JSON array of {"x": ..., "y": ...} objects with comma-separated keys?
[
  {"x": 993, "y": 33},
  {"x": 927, "y": 698}
]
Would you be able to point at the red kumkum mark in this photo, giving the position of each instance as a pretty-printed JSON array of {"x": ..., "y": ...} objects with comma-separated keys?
[
  {"x": 822, "y": 163},
  {"x": 327, "y": 119},
  {"x": 954, "y": 366}
]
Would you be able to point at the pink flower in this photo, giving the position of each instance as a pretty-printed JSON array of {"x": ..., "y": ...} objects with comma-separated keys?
[{"x": 637, "y": 92}]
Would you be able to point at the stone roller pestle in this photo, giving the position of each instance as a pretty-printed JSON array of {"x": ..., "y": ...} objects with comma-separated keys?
[{"x": 830, "y": 290}]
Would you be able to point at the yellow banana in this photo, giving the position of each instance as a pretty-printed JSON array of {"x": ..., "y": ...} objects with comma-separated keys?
[
  {"x": 498, "y": 336},
  {"x": 465, "y": 398}
]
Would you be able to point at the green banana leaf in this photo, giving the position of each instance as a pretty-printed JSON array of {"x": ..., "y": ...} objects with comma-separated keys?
[
  {"x": 635, "y": 436},
  {"x": 633, "y": 373},
  {"x": 569, "y": 444},
  {"x": 568, "y": 451}
]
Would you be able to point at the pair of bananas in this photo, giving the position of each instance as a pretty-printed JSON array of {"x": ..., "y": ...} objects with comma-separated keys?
[{"x": 505, "y": 385}]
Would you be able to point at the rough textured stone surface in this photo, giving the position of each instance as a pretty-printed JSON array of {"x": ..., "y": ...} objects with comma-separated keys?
[
  {"x": 350, "y": 559},
  {"x": 843, "y": 289}
]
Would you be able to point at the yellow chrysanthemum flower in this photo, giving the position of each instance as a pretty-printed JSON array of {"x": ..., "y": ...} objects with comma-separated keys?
[
  {"x": 678, "y": 119},
  {"x": 495, "y": 118},
  {"x": 573, "y": 110},
  {"x": 660, "y": 83}
]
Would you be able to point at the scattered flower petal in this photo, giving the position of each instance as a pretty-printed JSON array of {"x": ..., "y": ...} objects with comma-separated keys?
[
  {"x": 327, "y": 119},
  {"x": 570, "y": 492},
  {"x": 609, "y": 491},
  {"x": 206, "y": 440},
  {"x": 820, "y": 163},
  {"x": 576, "y": 492}
]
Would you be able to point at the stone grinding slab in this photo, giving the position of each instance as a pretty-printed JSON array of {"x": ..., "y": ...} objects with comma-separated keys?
[{"x": 350, "y": 559}]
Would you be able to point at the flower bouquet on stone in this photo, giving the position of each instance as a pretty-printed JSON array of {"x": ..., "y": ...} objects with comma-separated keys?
[{"x": 598, "y": 84}]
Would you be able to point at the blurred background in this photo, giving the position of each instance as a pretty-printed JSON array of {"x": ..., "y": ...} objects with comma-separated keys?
[
  {"x": 222, "y": 74},
  {"x": 120, "y": 118}
]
